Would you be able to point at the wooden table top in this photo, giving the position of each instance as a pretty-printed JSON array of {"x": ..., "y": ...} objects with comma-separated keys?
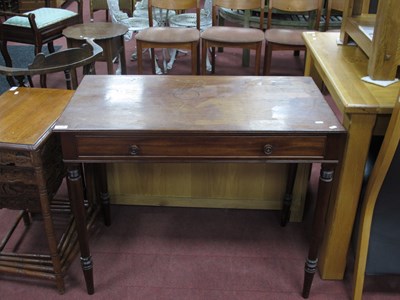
[
  {"x": 342, "y": 70},
  {"x": 201, "y": 104},
  {"x": 96, "y": 30},
  {"x": 27, "y": 114}
]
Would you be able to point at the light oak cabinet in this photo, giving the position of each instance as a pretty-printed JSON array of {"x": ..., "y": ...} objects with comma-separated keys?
[{"x": 377, "y": 35}]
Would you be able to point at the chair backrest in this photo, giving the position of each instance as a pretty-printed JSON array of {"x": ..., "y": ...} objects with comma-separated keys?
[
  {"x": 296, "y": 6},
  {"x": 383, "y": 184},
  {"x": 336, "y": 5},
  {"x": 384, "y": 159},
  {"x": 173, "y": 5},
  {"x": 61, "y": 61},
  {"x": 238, "y": 5}
]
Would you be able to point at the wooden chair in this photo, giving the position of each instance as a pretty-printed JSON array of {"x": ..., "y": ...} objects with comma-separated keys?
[
  {"x": 96, "y": 5},
  {"x": 62, "y": 61},
  {"x": 382, "y": 190},
  {"x": 170, "y": 37},
  {"x": 233, "y": 37},
  {"x": 37, "y": 27},
  {"x": 277, "y": 39},
  {"x": 332, "y": 5}
]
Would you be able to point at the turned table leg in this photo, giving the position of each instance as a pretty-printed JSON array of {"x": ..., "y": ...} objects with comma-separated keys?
[
  {"x": 318, "y": 226},
  {"x": 75, "y": 190}
]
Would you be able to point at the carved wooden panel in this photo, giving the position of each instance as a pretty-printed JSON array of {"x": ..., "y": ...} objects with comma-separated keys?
[{"x": 19, "y": 175}]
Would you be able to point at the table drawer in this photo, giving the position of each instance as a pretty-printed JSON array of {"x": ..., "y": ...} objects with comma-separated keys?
[{"x": 200, "y": 146}]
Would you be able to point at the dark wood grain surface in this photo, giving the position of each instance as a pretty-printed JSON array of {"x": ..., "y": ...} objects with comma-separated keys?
[{"x": 201, "y": 104}]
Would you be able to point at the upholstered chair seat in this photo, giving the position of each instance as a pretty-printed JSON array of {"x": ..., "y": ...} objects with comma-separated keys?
[
  {"x": 285, "y": 36},
  {"x": 233, "y": 34},
  {"x": 169, "y": 35},
  {"x": 44, "y": 16}
]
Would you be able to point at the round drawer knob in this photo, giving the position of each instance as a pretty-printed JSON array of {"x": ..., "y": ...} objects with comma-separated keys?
[
  {"x": 134, "y": 150},
  {"x": 268, "y": 149}
]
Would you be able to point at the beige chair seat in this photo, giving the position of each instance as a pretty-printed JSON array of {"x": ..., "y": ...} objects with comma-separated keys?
[
  {"x": 169, "y": 35},
  {"x": 233, "y": 34},
  {"x": 284, "y": 36}
]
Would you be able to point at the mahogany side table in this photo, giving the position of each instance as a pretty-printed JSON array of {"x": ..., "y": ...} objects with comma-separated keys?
[{"x": 109, "y": 36}]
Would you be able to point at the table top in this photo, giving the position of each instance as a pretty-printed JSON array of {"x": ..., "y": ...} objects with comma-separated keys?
[
  {"x": 199, "y": 104},
  {"x": 27, "y": 115},
  {"x": 342, "y": 69},
  {"x": 96, "y": 30}
]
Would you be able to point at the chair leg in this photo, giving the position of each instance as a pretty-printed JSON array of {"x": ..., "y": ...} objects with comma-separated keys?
[
  {"x": 43, "y": 81},
  {"x": 258, "y": 59},
  {"x": 267, "y": 58},
  {"x": 153, "y": 61},
  {"x": 139, "y": 53},
  {"x": 212, "y": 60},
  {"x": 204, "y": 49},
  {"x": 38, "y": 49},
  {"x": 362, "y": 250},
  {"x": 68, "y": 79},
  {"x": 6, "y": 55},
  {"x": 26, "y": 218},
  {"x": 198, "y": 58},
  {"x": 50, "y": 46},
  {"x": 195, "y": 49}
]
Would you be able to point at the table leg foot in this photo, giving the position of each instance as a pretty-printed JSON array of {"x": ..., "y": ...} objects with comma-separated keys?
[
  {"x": 87, "y": 267},
  {"x": 318, "y": 226},
  {"x": 75, "y": 191},
  {"x": 309, "y": 271}
]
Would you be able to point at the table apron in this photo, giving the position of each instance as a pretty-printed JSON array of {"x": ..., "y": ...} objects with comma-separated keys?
[{"x": 195, "y": 148}]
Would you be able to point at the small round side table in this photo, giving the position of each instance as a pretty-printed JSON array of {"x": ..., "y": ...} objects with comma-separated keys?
[{"x": 109, "y": 36}]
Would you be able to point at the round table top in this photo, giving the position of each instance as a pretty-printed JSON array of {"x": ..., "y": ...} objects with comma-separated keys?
[{"x": 95, "y": 30}]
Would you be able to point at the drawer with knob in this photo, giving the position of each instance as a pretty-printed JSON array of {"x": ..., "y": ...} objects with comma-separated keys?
[{"x": 197, "y": 146}]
